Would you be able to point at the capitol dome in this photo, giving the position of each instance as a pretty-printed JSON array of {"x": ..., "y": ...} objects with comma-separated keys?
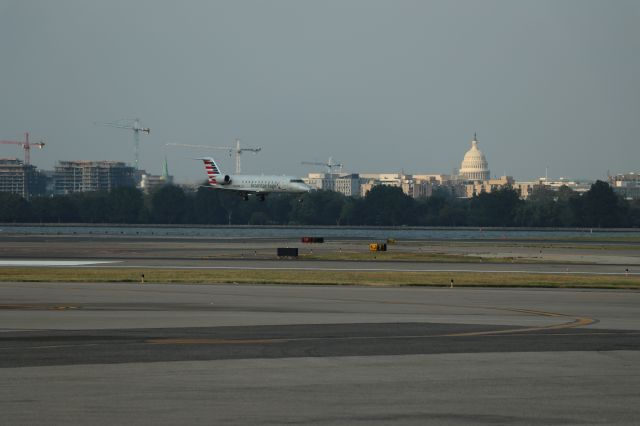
[{"x": 474, "y": 166}]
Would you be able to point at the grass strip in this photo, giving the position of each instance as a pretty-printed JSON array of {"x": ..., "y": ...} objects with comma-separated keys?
[
  {"x": 365, "y": 278},
  {"x": 430, "y": 257},
  {"x": 388, "y": 255}
]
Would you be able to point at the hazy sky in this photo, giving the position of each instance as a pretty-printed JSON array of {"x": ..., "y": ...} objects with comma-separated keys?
[{"x": 378, "y": 85}]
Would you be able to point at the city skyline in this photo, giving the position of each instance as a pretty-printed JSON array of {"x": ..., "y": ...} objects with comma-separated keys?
[
  {"x": 378, "y": 86},
  {"x": 321, "y": 168}
]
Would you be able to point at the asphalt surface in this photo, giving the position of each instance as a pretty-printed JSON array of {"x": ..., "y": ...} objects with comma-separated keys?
[
  {"x": 66, "y": 324},
  {"x": 74, "y": 353},
  {"x": 267, "y": 342},
  {"x": 202, "y": 252},
  {"x": 225, "y": 354}
]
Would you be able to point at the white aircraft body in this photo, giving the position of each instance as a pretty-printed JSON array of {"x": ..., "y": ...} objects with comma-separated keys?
[{"x": 245, "y": 185}]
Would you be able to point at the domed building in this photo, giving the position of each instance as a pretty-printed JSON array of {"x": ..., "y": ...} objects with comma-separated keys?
[{"x": 474, "y": 166}]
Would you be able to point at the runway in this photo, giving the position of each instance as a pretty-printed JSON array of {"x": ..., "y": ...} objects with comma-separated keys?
[
  {"x": 238, "y": 354},
  {"x": 295, "y": 341},
  {"x": 105, "y": 353},
  {"x": 250, "y": 254},
  {"x": 336, "y": 266}
]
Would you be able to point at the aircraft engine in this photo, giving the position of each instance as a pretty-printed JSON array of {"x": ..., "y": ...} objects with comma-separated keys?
[{"x": 227, "y": 180}]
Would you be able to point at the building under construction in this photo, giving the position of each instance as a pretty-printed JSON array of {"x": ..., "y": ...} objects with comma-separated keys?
[
  {"x": 86, "y": 176},
  {"x": 21, "y": 179}
]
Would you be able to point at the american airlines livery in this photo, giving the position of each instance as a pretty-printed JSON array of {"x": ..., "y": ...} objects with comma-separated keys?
[{"x": 245, "y": 185}]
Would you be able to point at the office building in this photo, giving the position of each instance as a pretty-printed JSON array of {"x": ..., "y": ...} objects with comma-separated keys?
[{"x": 627, "y": 185}]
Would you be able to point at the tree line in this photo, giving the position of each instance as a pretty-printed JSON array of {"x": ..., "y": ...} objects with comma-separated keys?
[{"x": 599, "y": 207}]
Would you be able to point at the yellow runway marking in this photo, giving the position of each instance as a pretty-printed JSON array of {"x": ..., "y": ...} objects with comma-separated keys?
[
  {"x": 205, "y": 341},
  {"x": 576, "y": 322},
  {"x": 38, "y": 307}
]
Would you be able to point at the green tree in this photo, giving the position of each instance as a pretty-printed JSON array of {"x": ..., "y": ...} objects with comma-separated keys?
[
  {"x": 63, "y": 209},
  {"x": 540, "y": 209},
  {"x": 13, "y": 208},
  {"x": 453, "y": 214},
  {"x": 231, "y": 205},
  {"x": 279, "y": 207},
  {"x": 207, "y": 208},
  {"x": 351, "y": 212},
  {"x": 170, "y": 204},
  {"x": 440, "y": 209},
  {"x": 497, "y": 208},
  {"x": 126, "y": 205},
  {"x": 388, "y": 206},
  {"x": 318, "y": 208},
  {"x": 568, "y": 207},
  {"x": 258, "y": 218},
  {"x": 93, "y": 207},
  {"x": 603, "y": 207},
  {"x": 634, "y": 214}
]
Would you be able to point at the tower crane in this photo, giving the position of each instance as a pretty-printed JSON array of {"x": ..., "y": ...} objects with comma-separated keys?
[
  {"x": 238, "y": 150},
  {"x": 131, "y": 124},
  {"x": 26, "y": 145},
  {"x": 330, "y": 165}
]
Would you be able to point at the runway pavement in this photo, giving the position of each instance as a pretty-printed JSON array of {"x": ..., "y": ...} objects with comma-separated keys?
[
  {"x": 330, "y": 265},
  {"x": 168, "y": 250},
  {"x": 243, "y": 354},
  {"x": 87, "y": 353},
  {"x": 160, "y": 252}
]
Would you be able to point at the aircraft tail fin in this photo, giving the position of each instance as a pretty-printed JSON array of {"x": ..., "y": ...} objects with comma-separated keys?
[{"x": 213, "y": 171}]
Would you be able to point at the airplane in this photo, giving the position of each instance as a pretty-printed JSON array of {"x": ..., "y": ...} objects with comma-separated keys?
[{"x": 258, "y": 185}]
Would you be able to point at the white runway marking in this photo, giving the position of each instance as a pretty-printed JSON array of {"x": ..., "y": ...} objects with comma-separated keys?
[
  {"x": 110, "y": 264},
  {"x": 53, "y": 262},
  {"x": 335, "y": 269}
]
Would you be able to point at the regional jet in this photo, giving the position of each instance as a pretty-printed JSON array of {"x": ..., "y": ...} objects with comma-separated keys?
[{"x": 258, "y": 185}]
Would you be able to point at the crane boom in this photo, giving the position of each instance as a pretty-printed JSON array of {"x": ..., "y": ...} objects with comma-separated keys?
[
  {"x": 130, "y": 124},
  {"x": 187, "y": 145},
  {"x": 238, "y": 150},
  {"x": 330, "y": 165},
  {"x": 26, "y": 145}
]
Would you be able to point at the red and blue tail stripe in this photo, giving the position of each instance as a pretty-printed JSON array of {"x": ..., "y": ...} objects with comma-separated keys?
[{"x": 212, "y": 170}]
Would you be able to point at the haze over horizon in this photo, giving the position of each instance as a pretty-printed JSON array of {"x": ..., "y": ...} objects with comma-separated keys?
[{"x": 380, "y": 86}]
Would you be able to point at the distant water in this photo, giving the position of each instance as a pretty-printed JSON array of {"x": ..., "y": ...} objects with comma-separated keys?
[{"x": 380, "y": 233}]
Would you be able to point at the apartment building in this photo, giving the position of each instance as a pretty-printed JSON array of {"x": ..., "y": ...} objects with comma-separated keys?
[
  {"x": 21, "y": 179},
  {"x": 86, "y": 176}
]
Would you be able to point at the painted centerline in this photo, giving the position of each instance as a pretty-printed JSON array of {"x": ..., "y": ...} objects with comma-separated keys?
[
  {"x": 574, "y": 322},
  {"x": 55, "y": 262}
]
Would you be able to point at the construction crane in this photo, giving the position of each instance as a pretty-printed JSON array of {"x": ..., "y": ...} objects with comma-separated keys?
[
  {"x": 26, "y": 145},
  {"x": 330, "y": 165},
  {"x": 131, "y": 124},
  {"x": 238, "y": 150}
]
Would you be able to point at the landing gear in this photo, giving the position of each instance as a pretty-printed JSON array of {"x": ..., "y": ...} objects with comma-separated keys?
[
  {"x": 245, "y": 197},
  {"x": 261, "y": 198}
]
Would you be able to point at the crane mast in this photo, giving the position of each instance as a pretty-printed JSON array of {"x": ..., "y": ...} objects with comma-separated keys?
[
  {"x": 239, "y": 152},
  {"x": 131, "y": 124}
]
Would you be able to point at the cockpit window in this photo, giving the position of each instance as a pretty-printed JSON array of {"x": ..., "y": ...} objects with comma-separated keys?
[{"x": 296, "y": 181}]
